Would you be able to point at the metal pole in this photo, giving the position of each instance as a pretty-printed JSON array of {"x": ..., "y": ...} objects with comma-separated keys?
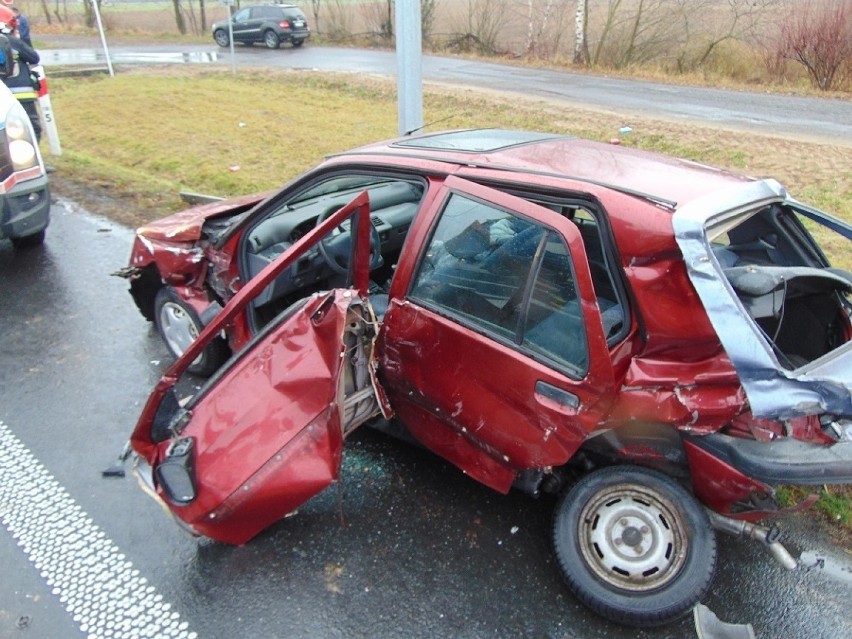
[
  {"x": 103, "y": 37},
  {"x": 230, "y": 5},
  {"x": 409, "y": 74}
]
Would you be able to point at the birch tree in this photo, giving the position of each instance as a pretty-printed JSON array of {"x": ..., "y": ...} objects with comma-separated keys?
[{"x": 581, "y": 26}]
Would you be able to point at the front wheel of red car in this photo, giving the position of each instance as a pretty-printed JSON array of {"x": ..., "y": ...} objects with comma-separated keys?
[
  {"x": 179, "y": 325},
  {"x": 634, "y": 546}
]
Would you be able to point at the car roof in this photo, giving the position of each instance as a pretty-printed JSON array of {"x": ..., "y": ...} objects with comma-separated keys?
[
  {"x": 271, "y": 4},
  {"x": 668, "y": 180}
]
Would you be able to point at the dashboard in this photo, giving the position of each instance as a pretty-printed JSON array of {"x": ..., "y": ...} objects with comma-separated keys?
[{"x": 393, "y": 205}]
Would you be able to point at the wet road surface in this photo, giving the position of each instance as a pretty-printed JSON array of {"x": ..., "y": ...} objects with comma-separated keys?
[
  {"x": 405, "y": 546},
  {"x": 804, "y": 118}
]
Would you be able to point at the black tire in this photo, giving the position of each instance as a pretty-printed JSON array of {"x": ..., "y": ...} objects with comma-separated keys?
[
  {"x": 634, "y": 546},
  {"x": 270, "y": 39},
  {"x": 178, "y": 324},
  {"x": 29, "y": 241},
  {"x": 298, "y": 43},
  {"x": 221, "y": 38}
]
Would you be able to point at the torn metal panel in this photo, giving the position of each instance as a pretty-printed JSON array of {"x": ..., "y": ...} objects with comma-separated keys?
[
  {"x": 822, "y": 386},
  {"x": 185, "y": 226}
]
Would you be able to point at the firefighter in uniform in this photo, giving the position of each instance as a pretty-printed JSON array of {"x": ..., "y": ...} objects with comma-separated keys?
[{"x": 22, "y": 82}]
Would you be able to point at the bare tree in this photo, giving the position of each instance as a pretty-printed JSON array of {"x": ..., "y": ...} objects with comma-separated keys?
[
  {"x": 179, "y": 21},
  {"x": 428, "y": 9},
  {"x": 542, "y": 39},
  {"x": 339, "y": 19},
  {"x": 380, "y": 18},
  {"x": 706, "y": 24},
  {"x": 315, "y": 9},
  {"x": 46, "y": 8},
  {"x": 819, "y": 37},
  {"x": 581, "y": 27},
  {"x": 633, "y": 32},
  {"x": 483, "y": 21}
]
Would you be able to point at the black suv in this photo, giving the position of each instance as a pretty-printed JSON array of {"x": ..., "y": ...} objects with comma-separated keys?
[{"x": 271, "y": 24}]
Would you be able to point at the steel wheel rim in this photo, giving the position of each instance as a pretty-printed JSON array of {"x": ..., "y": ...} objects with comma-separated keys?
[
  {"x": 270, "y": 39},
  {"x": 633, "y": 538},
  {"x": 178, "y": 328}
]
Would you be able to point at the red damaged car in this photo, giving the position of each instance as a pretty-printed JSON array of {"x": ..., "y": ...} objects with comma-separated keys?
[{"x": 658, "y": 342}]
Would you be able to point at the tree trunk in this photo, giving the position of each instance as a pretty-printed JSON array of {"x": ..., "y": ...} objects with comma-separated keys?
[
  {"x": 46, "y": 11},
  {"x": 181, "y": 25},
  {"x": 581, "y": 43}
]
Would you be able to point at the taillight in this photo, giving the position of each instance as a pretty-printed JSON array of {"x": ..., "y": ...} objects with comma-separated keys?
[{"x": 284, "y": 24}]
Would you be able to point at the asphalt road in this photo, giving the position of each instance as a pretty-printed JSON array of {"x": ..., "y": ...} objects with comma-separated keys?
[
  {"x": 803, "y": 118},
  {"x": 406, "y": 547}
]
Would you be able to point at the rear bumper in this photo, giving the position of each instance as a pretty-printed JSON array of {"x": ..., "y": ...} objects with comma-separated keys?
[
  {"x": 783, "y": 461},
  {"x": 25, "y": 209}
]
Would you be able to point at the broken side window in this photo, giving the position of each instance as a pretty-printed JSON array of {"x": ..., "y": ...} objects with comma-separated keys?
[{"x": 506, "y": 276}]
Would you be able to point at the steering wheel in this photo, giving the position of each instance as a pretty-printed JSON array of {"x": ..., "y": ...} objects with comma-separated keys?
[{"x": 336, "y": 247}]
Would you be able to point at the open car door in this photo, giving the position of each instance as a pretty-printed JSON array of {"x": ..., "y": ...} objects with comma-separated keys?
[{"x": 265, "y": 434}]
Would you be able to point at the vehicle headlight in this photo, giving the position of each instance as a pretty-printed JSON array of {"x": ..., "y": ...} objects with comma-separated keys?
[
  {"x": 176, "y": 473},
  {"x": 19, "y": 138}
]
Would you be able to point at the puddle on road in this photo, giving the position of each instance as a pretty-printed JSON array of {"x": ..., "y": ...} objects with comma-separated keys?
[
  {"x": 58, "y": 57},
  {"x": 831, "y": 566}
]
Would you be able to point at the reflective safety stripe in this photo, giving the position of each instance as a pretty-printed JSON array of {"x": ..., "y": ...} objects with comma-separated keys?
[{"x": 24, "y": 93}]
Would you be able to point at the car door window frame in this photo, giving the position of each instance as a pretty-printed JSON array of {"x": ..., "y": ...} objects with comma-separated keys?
[
  {"x": 511, "y": 342},
  {"x": 621, "y": 296}
]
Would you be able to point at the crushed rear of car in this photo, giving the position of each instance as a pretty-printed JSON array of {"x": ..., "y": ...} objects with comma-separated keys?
[{"x": 658, "y": 344}]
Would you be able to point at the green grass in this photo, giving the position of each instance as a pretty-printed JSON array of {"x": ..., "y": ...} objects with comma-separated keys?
[{"x": 148, "y": 134}]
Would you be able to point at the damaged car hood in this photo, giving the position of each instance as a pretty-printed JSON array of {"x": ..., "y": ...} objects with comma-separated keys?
[{"x": 185, "y": 226}]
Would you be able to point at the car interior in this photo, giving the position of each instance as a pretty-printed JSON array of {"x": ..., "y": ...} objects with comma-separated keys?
[
  {"x": 801, "y": 304},
  {"x": 393, "y": 205},
  {"x": 486, "y": 276}
]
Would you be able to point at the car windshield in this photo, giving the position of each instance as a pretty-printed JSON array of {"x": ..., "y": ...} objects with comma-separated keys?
[{"x": 345, "y": 184}]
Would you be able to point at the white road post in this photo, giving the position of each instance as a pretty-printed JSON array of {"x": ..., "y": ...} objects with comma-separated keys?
[
  {"x": 409, "y": 62},
  {"x": 46, "y": 109},
  {"x": 103, "y": 36},
  {"x": 230, "y": 5}
]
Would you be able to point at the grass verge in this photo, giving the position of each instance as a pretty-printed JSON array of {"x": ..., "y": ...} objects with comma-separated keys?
[
  {"x": 132, "y": 142},
  {"x": 146, "y": 134}
]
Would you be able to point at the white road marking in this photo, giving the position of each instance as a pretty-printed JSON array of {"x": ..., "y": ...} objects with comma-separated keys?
[{"x": 99, "y": 588}]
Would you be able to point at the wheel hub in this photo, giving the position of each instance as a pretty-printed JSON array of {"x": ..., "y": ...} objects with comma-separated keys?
[
  {"x": 178, "y": 328},
  {"x": 632, "y": 538}
]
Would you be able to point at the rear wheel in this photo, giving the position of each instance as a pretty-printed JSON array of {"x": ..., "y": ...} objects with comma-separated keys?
[
  {"x": 221, "y": 38},
  {"x": 634, "y": 546},
  {"x": 298, "y": 43},
  {"x": 270, "y": 39},
  {"x": 179, "y": 325}
]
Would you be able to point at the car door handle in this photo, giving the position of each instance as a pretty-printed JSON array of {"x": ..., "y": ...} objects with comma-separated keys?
[{"x": 551, "y": 393}]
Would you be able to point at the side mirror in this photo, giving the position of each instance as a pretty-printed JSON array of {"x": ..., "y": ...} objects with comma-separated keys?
[{"x": 7, "y": 60}]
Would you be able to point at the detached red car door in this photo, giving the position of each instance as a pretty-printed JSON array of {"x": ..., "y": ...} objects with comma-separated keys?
[
  {"x": 495, "y": 357},
  {"x": 265, "y": 434}
]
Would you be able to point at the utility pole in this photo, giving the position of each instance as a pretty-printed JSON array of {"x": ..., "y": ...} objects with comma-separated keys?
[{"x": 409, "y": 63}]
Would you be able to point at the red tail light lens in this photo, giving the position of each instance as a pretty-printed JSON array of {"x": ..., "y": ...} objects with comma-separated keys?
[{"x": 284, "y": 24}]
